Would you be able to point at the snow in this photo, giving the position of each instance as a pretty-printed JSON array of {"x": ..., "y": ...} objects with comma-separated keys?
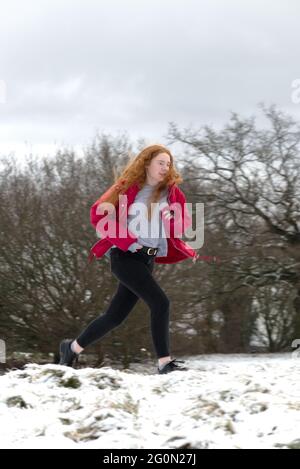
[{"x": 221, "y": 401}]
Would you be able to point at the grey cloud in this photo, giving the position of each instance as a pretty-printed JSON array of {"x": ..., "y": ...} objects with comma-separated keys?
[{"x": 73, "y": 67}]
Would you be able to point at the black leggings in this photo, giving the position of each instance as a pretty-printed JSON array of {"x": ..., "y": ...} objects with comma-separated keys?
[{"x": 134, "y": 272}]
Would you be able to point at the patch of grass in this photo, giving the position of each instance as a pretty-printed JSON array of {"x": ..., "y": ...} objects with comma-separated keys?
[
  {"x": 54, "y": 373},
  {"x": 23, "y": 375},
  {"x": 161, "y": 389},
  {"x": 71, "y": 404},
  {"x": 128, "y": 406},
  {"x": 65, "y": 421},
  {"x": 204, "y": 409},
  {"x": 83, "y": 434},
  {"x": 258, "y": 407},
  {"x": 229, "y": 427},
  {"x": 71, "y": 382},
  {"x": 294, "y": 444},
  {"x": 17, "y": 401},
  {"x": 102, "y": 382}
]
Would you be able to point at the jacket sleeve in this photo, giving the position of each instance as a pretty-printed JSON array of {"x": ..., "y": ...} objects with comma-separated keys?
[
  {"x": 179, "y": 224},
  {"x": 122, "y": 243},
  {"x": 94, "y": 217}
]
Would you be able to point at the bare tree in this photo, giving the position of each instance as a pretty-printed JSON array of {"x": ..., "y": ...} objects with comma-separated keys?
[
  {"x": 46, "y": 290},
  {"x": 249, "y": 181}
]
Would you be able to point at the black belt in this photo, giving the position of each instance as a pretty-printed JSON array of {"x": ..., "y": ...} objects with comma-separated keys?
[{"x": 147, "y": 250}]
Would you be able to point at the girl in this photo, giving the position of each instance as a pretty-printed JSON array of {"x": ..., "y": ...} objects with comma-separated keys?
[{"x": 148, "y": 180}]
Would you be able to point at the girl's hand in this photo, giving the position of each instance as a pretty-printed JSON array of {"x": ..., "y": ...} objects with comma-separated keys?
[{"x": 168, "y": 213}]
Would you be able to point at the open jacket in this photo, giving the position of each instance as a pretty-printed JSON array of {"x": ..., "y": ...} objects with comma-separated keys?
[{"x": 178, "y": 250}]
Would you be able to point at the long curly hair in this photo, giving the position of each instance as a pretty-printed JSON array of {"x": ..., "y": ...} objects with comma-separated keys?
[{"x": 135, "y": 172}]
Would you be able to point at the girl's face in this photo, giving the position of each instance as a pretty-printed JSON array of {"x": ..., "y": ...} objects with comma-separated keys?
[{"x": 158, "y": 168}]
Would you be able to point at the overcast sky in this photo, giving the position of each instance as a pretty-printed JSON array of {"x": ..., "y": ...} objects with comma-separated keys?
[{"x": 70, "y": 68}]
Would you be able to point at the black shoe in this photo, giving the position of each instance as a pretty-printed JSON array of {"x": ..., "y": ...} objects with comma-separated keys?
[
  {"x": 67, "y": 356},
  {"x": 171, "y": 366}
]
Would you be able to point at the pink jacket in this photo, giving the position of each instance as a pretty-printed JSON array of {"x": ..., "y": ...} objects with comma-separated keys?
[{"x": 178, "y": 250}]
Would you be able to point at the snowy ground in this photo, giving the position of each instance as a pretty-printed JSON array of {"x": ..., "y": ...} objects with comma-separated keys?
[{"x": 222, "y": 401}]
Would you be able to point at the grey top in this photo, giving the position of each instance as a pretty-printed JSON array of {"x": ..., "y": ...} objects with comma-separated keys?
[{"x": 149, "y": 233}]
